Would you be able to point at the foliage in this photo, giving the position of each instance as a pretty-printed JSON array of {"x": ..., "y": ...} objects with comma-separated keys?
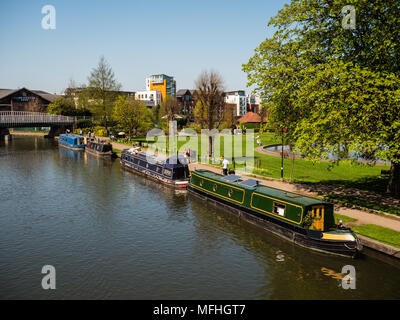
[
  {"x": 62, "y": 106},
  {"x": 84, "y": 123},
  {"x": 132, "y": 115},
  {"x": 169, "y": 107},
  {"x": 100, "y": 131},
  {"x": 335, "y": 89},
  {"x": 102, "y": 90},
  {"x": 210, "y": 102}
]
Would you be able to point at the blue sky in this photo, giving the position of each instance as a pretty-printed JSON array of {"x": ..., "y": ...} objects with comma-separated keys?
[{"x": 138, "y": 38}]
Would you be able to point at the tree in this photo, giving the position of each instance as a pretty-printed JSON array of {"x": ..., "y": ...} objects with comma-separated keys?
[
  {"x": 62, "y": 106},
  {"x": 103, "y": 89},
  {"x": 132, "y": 115},
  {"x": 210, "y": 102},
  {"x": 335, "y": 89},
  {"x": 169, "y": 107}
]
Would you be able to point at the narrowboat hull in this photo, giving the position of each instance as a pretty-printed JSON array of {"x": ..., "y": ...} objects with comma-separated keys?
[
  {"x": 153, "y": 175},
  {"x": 75, "y": 148},
  {"x": 300, "y": 236},
  {"x": 96, "y": 153}
]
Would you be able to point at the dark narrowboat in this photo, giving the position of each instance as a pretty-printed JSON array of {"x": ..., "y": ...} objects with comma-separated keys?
[
  {"x": 99, "y": 148},
  {"x": 72, "y": 141},
  {"x": 173, "y": 171},
  {"x": 306, "y": 221}
]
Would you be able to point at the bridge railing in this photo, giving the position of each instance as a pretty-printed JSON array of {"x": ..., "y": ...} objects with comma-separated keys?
[{"x": 18, "y": 117}]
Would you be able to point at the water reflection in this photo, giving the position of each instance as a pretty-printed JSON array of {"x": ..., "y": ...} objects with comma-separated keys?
[
  {"x": 115, "y": 234},
  {"x": 290, "y": 271}
]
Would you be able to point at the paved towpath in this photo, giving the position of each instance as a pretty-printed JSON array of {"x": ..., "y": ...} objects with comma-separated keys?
[{"x": 361, "y": 216}]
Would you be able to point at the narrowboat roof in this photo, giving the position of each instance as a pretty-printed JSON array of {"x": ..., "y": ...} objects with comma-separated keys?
[
  {"x": 171, "y": 162},
  {"x": 70, "y": 135},
  {"x": 283, "y": 195}
]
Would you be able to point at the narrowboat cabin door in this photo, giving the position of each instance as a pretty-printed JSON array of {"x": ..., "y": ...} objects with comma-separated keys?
[{"x": 317, "y": 214}]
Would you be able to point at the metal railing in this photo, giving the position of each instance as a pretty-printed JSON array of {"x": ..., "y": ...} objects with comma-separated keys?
[{"x": 15, "y": 118}]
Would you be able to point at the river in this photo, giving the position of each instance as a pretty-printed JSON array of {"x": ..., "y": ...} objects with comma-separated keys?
[{"x": 112, "y": 234}]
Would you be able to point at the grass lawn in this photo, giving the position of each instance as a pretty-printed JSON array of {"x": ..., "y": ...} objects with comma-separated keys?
[
  {"x": 117, "y": 151},
  {"x": 344, "y": 218},
  {"x": 345, "y": 174},
  {"x": 380, "y": 234}
]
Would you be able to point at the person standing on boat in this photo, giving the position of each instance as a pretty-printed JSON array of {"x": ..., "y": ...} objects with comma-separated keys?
[{"x": 225, "y": 164}]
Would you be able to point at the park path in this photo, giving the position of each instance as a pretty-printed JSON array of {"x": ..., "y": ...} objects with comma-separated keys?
[
  {"x": 361, "y": 216},
  {"x": 326, "y": 189}
]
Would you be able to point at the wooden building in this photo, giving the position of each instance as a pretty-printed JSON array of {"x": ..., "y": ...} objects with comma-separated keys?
[{"x": 25, "y": 100}]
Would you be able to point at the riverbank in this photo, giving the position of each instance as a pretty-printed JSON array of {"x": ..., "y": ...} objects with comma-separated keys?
[
  {"x": 360, "y": 217},
  {"x": 28, "y": 133}
]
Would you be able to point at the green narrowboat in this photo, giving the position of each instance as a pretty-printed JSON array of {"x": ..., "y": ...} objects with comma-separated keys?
[{"x": 306, "y": 221}]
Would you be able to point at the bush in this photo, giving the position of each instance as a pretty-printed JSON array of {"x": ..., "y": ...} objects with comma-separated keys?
[
  {"x": 84, "y": 123},
  {"x": 100, "y": 132}
]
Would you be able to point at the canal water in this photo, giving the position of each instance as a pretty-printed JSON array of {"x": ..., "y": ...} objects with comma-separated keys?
[{"x": 111, "y": 234}]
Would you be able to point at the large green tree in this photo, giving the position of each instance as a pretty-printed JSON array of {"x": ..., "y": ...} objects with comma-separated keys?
[
  {"x": 336, "y": 88},
  {"x": 103, "y": 90},
  {"x": 132, "y": 115}
]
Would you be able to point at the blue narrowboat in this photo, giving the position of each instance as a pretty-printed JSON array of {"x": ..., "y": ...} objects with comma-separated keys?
[
  {"x": 173, "y": 171},
  {"x": 72, "y": 141}
]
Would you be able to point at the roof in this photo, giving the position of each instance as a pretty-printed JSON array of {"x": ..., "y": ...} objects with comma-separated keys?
[
  {"x": 272, "y": 192},
  {"x": 182, "y": 92},
  {"x": 250, "y": 117},
  {"x": 43, "y": 94}
]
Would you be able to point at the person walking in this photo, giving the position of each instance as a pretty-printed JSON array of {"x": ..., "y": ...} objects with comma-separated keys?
[{"x": 225, "y": 165}]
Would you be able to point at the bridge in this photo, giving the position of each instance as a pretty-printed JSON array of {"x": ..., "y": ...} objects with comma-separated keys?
[{"x": 22, "y": 119}]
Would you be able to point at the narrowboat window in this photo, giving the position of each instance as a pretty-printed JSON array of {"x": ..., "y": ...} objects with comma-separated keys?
[
  {"x": 215, "y": 187},
  {"x": 230, "y": 192},
  {"x": 279, "y": 209},
  {"x": 201, "y": 183},
  {"x": 167, "y": 173}
]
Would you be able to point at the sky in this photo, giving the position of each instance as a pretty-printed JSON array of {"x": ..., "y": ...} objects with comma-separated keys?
[{"x": 138, "y": 38}]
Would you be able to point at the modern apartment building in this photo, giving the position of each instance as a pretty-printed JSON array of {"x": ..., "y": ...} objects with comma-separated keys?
[
  {"x": 162, "y": 82},
  {"x": 150, "y": 98},
  {"x": 239, "y": 99}
]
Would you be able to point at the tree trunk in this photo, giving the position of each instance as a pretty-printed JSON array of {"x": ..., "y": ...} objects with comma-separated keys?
[
  {"x": 210, "y": 146},
  {"x": 394, "y": 181}
]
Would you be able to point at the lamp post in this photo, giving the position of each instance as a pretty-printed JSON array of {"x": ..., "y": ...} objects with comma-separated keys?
[{"x": 283, "y": 131}]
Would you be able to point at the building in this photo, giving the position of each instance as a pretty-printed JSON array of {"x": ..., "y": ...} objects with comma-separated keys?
[
  {"x": 162, "y": 82},
  {"x": 150, "y": 98},
  {"x": 25, "y": 100},
  {"x": 253, "y": 103},
  {"x": 74, "y": 93},
  {"x": 250, "y": 120},
  {"x": 187, "y": 102},
  {"x": 239, "y": 99}
]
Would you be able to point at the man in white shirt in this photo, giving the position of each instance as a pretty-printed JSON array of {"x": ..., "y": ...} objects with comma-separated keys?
[{"x": 225, "y": 164}]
